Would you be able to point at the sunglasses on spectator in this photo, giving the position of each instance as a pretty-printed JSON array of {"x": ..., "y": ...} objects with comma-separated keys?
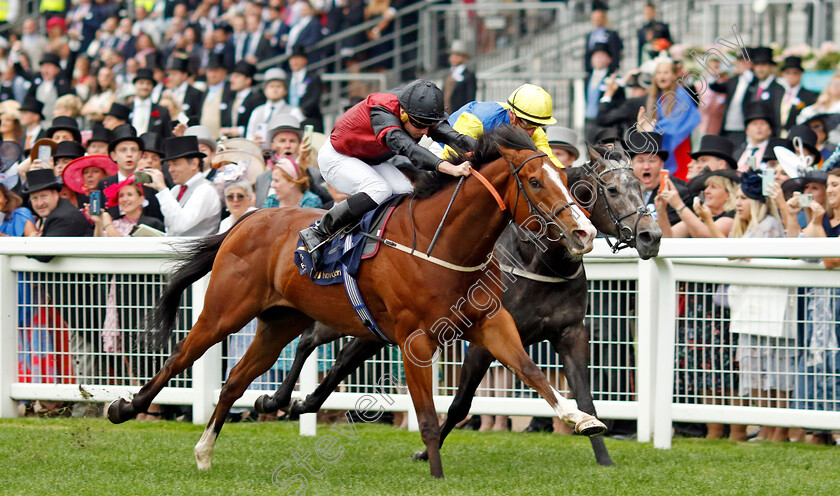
[{"x": 235, "y": 197}]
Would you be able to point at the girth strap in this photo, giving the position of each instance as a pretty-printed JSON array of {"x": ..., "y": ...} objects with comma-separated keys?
[{"x": 429, "y": 258}]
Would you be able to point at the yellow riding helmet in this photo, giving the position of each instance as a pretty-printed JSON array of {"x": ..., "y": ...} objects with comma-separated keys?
[{"x": 532, "y": 103}]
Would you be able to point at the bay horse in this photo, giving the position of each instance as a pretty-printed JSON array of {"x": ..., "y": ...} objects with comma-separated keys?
[
  {"x": 252, "y": 275},
  {"x": 551, "y": 309}
]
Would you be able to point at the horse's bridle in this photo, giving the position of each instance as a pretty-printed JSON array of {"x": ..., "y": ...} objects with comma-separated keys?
[{"x": 626, "y": 236}]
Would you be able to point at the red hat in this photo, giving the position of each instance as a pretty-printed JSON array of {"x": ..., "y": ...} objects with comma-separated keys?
[
  {"x": 73, "y": 176},
  {"x": 112, "y": 192},
  {"x": 57, "y": 21}
]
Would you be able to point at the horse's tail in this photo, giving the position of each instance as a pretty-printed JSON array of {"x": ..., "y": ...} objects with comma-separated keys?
[{"x": 197, "y": 258}]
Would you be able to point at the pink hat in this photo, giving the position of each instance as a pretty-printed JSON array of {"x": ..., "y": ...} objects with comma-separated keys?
[
  {"x": 73, "y": 173},
  {"x": 57, "y": 21},
  {"x": 289, "y": 166}
]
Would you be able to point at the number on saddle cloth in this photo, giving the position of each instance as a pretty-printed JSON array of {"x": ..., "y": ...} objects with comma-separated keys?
[{"x": 336, "y": 257}]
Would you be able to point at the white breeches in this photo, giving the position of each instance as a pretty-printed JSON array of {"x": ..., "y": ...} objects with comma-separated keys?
[{"x": 350, "y": 175}]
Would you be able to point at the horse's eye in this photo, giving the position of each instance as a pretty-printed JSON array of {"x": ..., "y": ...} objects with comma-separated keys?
[
  {"x": 535, "y": 183},
  {"x": 612, "y": 190}
]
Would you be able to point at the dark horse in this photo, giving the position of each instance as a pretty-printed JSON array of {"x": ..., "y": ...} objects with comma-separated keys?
[
  {"x": 253, "y": 276},
  {"x": 545, "y": 302}
]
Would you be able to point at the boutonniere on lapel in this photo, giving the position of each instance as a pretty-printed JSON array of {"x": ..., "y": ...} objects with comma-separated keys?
[
  {"x": 799, "y": 104},
  {"x": 155, "y": 114}
]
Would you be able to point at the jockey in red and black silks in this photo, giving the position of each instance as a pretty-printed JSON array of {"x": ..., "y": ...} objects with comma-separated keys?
[{"x": 376, "y": 129}]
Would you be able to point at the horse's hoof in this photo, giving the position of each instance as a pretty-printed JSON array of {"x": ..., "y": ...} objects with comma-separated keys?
[
  {"x": 116, "y": 411},
  {"x": 591, "y": 427},
  {"x": 606, "y": 463},
  {"x": 203, "y": 462},
  {"x": 294, "y": 409},
  {"x": 420, "y": 456},
  {"x": 265, "y": 404}
]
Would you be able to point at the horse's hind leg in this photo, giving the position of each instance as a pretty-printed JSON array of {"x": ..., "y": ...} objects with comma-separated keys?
[
  {"x": 349, "y": 359},
  {"x": 272, "y": 336},
  {"x": 573, "y": 347},
  {"x": 498, "y": 334},
  {"x": 311, "y": 339},
  {"x": 476, "y": 363},
  {"x": 217, "y": 321}
]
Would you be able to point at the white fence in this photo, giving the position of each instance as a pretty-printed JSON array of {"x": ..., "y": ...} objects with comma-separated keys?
[{"x": 655, "y": 324}]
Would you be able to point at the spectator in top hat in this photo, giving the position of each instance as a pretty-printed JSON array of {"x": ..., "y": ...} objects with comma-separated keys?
[
  {"x": 31, "y": 115},
  {"x": 66, "y": 152},
  {"x": 99, "y": 139},
  {"x": 187, "y": 97},
  {"x": 126, "y": 149},
  {"x": 239, "y": 101},
  {"x": 305, "y": 90},
  {"x": 600, "y": 34},
  {"x": 563, "y": 143},
  {"x": 117, "y": 115},
  {"x": 796, "y": 97},
  {"x": 57, "y": 216},
  {"x": 148, "y": 116},
  {"x": 621, "y": 100},
  {"x": 715, "y": 153},
  {"x": 207, "y": 146},
  {"x": 764, "y": 87},
  {"x": 51, "y": 83},
  {"x": 759, "y": 120},
  {"x": 276, "y": 92},
  {"x": 735, "y": 89},
  {"x": 595, "y": 86},
  {"x": 192, "y": 206},
  {"x": 647, "y": 157},
  {"x": 460, "y": 86},
  {"x": 64, "y": 129},
  {"x": 216, "y": 89},
  {"x": 653, "y": 36}
]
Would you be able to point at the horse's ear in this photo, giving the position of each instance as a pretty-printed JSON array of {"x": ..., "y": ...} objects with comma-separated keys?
[{"x": 593, "y": 154}]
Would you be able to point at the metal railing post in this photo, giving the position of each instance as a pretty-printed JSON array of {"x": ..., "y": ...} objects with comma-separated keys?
[
  {"x": 664, "y": 368},
  {"x": 8, "y": 337},
  {"x": 207, "y": 370}
]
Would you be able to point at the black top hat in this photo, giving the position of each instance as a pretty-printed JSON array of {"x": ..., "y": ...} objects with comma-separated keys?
[
  {"x": 607, "y": 136},
  {"x": 770, "y": 153},
  {"x": 716, "y": 146},
  {"x": 216, "y": 61},
  {"x": 51, "y": 58},
  {"x": 600, "y": 6},
  {"x": 154, "y": 60},
  {"x": 227, "y": 28},
  {"x": 809, "y": 140},
  {"x": 152, "y": 142},
  {"x": 644, "y": 143},
  {"x": 698, "y": 183},
  {"x": 32, "y": 104},
  {"x": 119, "y": 111},
  {"x": 181, "y": 64},
  {"x": 299, "y": 51},
  {"x": 41, "y": 179},
  {"x": 69, "y": 149},
  {"x": 144, "y": 73},
  {"x": 124, "y": 132},
  {"x": 759, "y": 110},
  {"x": 793, "y": 62},
  {"x": 601, "y": 47},
  {"x": 100, "y": 134},
  {"x": 762, "y": 55},
  {"x": 245, "y": 68},
  {"x": 67, "y": 124},
  {"x": 181, "y": 147}
]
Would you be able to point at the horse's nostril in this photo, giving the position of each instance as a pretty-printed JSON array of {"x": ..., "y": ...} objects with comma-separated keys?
[
  {"x": 581, "y": 235},
  {"x": 645, "y": 237}
]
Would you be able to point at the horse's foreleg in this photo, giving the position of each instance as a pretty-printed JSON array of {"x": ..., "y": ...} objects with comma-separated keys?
[
  {"x": 349, "y": 359},
  {"x": 310, "y": 340},
  {"x": 476, "y": 362},
  {"x": 418, "y": 376},
  {"x": 573, "y": 347},
  {"x": 216, "y": 322},
  {"x": 269, "y": 341},
  {"x": 499, "y": 335}
]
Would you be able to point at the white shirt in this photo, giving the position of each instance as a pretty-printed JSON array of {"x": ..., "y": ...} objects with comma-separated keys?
[
  {"x": 735, "y": 113},
  {"x": 197, "y": 214},
  {"x": 141, "y": 116},
  {"x": 263, "y": 114}
]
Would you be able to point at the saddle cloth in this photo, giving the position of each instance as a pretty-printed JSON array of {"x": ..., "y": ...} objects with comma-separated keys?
[{"x": 339, "y": 256}]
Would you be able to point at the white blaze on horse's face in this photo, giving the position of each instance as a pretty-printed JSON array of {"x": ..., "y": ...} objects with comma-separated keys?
[{"x": 587, "y": 231}]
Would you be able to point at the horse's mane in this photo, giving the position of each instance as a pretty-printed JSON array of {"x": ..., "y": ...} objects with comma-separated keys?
[{"x": 487, "y": 150}]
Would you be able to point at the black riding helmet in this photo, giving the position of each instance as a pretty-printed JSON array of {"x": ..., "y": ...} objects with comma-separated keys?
[{"x": 423, "y": 101}]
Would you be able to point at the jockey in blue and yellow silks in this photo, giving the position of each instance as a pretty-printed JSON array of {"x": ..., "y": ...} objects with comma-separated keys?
[{"x": 528, "y": 107}]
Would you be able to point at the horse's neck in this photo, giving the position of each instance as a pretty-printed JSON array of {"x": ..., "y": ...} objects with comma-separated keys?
[
  {"x": 474, "y": 223},
  {"x": 533, "y": 254}
]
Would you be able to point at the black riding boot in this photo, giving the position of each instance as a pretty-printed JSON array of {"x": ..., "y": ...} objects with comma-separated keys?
[{"x": 341, "y": 215}]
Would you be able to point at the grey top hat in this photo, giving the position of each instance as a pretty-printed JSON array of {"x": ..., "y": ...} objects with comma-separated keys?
[
  {"x": 274, "y": 74},
  {"x": 203, "y": 135},
  {"x": 563, "y": 137},
  {"x": 283, "y": 122},
  {"x": 459, "y": 47}
]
